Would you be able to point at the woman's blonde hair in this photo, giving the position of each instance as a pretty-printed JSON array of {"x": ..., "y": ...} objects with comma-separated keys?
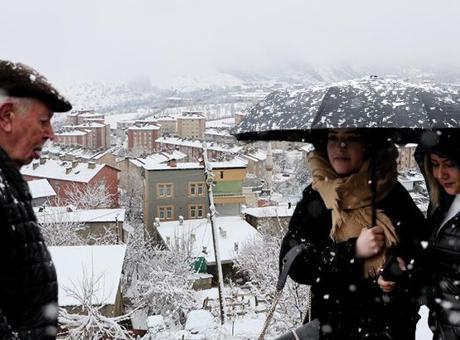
[{"x": 433, "y": 185}]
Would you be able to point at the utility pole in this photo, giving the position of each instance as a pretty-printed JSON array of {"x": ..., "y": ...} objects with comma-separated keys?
[{"x": 212, "y": 212}]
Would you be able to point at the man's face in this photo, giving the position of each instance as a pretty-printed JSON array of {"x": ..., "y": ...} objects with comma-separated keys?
[{"x": 29, "y": 132}]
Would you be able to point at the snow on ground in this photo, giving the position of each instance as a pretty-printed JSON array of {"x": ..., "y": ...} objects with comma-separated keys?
[{"x": 250, "y": 326}]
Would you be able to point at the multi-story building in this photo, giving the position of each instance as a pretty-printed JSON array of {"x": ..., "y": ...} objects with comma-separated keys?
[
  {"x": 89, "y": 135},
  {"x": 194, "y": 148},
  {"x": 72, "y": 138},
  {"x": 81, "y": 116},
  {"x": 173, "y": 189},
  {"x": 256, "y": 162},
  {"x": 65, "y": 177},
  {"x": 191, "y": 124},
  {"x": 143, "y": 138},
  {"x": 167, "y": 125},
  {"x": 406, "y": 160}
]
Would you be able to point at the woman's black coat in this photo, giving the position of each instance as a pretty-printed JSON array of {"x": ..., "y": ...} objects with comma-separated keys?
[
  {"x": 348, "y": 305},
  {"x": 444, "y": 271}
]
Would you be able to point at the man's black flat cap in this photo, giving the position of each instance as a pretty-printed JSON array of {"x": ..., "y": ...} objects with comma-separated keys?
[{"x": 19, "y": 80}]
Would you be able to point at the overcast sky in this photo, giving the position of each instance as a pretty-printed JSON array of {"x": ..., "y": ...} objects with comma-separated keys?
[{"x": 114, "y": 39}]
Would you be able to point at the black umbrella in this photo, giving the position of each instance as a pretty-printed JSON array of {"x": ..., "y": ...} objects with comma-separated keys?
[{"x": 397, "y": 108}]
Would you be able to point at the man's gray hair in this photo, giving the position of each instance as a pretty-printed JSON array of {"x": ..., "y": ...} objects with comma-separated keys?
[{"x": 22, "y": 104}]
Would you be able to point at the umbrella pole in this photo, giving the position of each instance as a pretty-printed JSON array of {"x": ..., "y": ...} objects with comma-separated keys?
[{"x": 373, "y": 185}]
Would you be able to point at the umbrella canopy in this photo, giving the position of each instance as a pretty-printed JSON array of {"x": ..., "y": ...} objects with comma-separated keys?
[{"x": 397, "y": 108}]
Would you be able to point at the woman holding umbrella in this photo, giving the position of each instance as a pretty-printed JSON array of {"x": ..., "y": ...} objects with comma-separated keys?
[
  {"x": 440, "y": 163},
  {"x": 343, "y": 255}
]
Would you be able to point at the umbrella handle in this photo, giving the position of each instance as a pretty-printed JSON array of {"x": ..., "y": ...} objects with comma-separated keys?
[{"x": 287, "y": 261}]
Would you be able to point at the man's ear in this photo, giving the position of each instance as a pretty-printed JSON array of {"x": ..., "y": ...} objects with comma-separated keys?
[{"x": 6, "y": 116}]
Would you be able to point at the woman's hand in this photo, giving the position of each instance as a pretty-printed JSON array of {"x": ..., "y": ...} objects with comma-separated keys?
[
  {"x": 388, "y": 286},
  {"x": 371, "y": 241}
]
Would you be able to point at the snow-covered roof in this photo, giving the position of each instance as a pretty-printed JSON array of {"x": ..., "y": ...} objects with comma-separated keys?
[
  {"x": 56, "y": 169},
  {"x": 100, "y": 264},
  {"x": 72, "y": 133},
  {"x": 77, "y": 151},
  {"x": 199, "y": 144},
  {"x": 41, "y": 188},
  {"x": 145, "y": 127},
  {"x": 234, "y": 163},
  {"x": 272, "y": 211},
  {"x": 256, "y": 155},
  {"x": 166, "y": 119},
  {"x": 231, "y": 230},
  {"x": 218, "y": 132},
  {"x": 155, "y": 159},
  {"x": 307, "y": 148},
  {"x": 62, "y": 215},
  {"x": 225, "y": 122},
  {"x": 89, "y": 124}
]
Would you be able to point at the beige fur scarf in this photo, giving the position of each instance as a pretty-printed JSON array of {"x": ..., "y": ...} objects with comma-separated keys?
[{"x": 349, "y": 198}]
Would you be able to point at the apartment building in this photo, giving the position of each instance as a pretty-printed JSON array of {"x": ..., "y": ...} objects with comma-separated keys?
[
  {"x": 81, "y": 116},
  {"x": 143, "y": 138},
  {"x": 167, "y": 125},
  {"x": 191, "y": 124},
  {"x": 194, "y": 148},
  {"x": 406, "y": 160},
  {"x": 173, "y": 189}
]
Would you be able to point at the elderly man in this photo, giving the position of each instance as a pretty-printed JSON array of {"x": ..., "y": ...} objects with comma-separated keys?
[{"x": 28, "y": 286}]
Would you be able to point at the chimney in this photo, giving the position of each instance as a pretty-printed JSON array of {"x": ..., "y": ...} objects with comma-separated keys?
[
  {"x": 74, "y": 163},
  {"x": 68, "y": 169},
  {"x": 91, "y": 165},
  {"x": 35, "y": 165},
  {"x": 42, "y": 160}
]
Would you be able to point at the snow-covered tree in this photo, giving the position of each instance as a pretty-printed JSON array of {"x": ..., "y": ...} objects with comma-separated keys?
[
  {"x": 92, "y": 196},
  {"x": 90, "y": 323},
  {"x": 158, "y": 279},
  {"x": 132, "y": 196},
  {"x": 258, "y": 262},
  {"x": 57, "y": 230}
]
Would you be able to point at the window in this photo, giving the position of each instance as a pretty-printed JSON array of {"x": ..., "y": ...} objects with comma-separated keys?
[
  {"x": 165, "y": 212},
  {"x": 165, "y": 190},
  {"x": 221, "y": 174},
  {"x": 196, "y": 189},
  {"x": 196, "y": 211}
]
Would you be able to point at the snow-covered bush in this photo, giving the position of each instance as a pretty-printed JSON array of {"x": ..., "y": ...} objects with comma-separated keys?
[
  {"x": 258, "y": 262},
  {"x": 158, "y": 279}
]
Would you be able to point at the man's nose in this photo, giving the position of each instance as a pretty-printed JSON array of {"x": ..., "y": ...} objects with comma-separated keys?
[{"x": 49, "y": 133}]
